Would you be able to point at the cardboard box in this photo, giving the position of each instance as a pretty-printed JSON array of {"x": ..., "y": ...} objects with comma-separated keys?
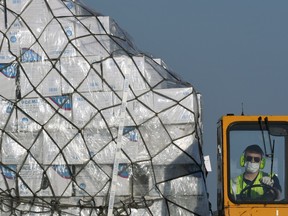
[
  {"x": 91, "y": 38},
  {"x": 176, "y": 180},
  {"x": 56, "y": 183},
  {"x": 8, "y": 177},
  {"x": 116, "y": 69},
  {"x": 31, "y": 113},
  {"x": 97, "y": 139},
  {"x": 62, "y": 8},
  {"x": 54, "y": 112},
  {"x": 63, "y": 105},
  {"x": 13, "y": 34},
  {"x": 11, "y": 151},
  {"x": 92, "y": 108},
  {"x": 137, "y": 102},
  {"x": 95, "y": 180},
  {"x": 8, "y": 76},
  {"x": 56, "y": 36},
  {"x": 5, "y": 54},
  {"x": 153, "y": 73},
  {"x": 79, "y": 75},
  {"x": 65, "y": 146},
  {"x": 175, "y": 106},
  {"x": 8, "y": 120},
  {"x": 40, "y": 76},
  {"x": 92, "y": 180},
  {"x": 21, "y": 148},
  {"x": 87, "y": 25}
]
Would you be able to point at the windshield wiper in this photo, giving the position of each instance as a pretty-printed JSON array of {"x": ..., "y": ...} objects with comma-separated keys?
[{"x": 271, "y": 145}]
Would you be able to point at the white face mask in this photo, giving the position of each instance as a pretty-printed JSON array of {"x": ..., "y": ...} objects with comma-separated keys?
[{"x": 252, "y": 167}]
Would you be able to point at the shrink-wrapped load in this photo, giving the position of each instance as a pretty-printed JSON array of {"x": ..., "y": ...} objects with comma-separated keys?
[{"x": 89, "y": 124}]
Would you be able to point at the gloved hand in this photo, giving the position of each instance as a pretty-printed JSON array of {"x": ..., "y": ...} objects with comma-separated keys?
[{"x": 267, "y": 181}]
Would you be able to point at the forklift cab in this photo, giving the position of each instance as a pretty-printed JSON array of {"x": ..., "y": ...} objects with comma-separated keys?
[{"x": 237, "y": 193}]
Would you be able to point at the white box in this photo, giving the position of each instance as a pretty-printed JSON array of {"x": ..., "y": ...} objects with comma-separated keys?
[
  {"x": 153, "y": 73},
  {"x": 57, "y": 181},
  {"x": 62, "y": 8},
  {"x": 80, "y": 75},
  {"x": 60, "y": 177},
  {"x": 36, "y": 15},
  {"x": 8, "y": 177},
  {"x": 16, "y": 5},
  {"x": 56, "y": 36},
  {"x": 139, "y": 105},
  {"x": 92, "y": 180},
  {"x": 54, "y": 112},
  {"x": 8, "y": 120},
  {"x": 99, "y": 46},
  {"x": 6, "y": 23},
  {"x": 33, "y": 53},
  {"x": 92, "y": 108},
  {"x": 93, "y": 38},
  {"x": 41, "y": 76},
  {"x": 116, "y": 69},
  {"x": 11, "y": 150},
  {"x": 13, "y": 34},
  {"x": 176, "y": 180},
  {"x": 176, "y": 106},
  {"x": 96, "y": 25},
  {"x": 31, "y": 113},
  {"x": 63, "y": 106},
  {"x": 21, "y": 148},
  {"x": 8, "y": 76},
  {"x": 5, "y": 55},
  {"x": 67, "y": 141},
  {"x": 93, "y": 25},
  {"x": 133, "y": 145}
]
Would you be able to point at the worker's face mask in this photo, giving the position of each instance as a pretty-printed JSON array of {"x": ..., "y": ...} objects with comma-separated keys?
[{"x": 252, "y": 167}]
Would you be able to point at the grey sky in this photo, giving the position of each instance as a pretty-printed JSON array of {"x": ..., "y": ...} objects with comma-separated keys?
[{"x": 232, "y": 52}]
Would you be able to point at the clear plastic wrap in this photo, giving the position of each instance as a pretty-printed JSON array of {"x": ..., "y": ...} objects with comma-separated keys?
[{"x": 78, "y": 101}]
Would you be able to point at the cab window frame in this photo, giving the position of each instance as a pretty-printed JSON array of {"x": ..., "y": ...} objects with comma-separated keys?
[{"x": 248, "y": 125}]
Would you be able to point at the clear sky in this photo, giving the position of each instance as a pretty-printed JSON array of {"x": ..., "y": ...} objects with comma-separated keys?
[{"x": 233, "y": 52}]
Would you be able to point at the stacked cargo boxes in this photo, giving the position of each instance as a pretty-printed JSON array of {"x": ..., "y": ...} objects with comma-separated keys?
[{"x": 62, "y": 112}]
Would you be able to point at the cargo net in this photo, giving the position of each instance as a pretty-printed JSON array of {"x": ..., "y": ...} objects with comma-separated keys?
[{"x": 89, "y": 124}]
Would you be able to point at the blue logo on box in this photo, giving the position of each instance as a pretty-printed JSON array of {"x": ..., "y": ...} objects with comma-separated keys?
[
  {"x": 9, "y": 70},
  {"x": 70, "y": 5},
  {"x": 13, "y": 39},
  {"x": 82, "y": 185},
  {"x": 69, "y": 32},
  {"x": 9, "y": 171},
  {"x": 29, "y": 55},
  {"x": 123, "y": 170},
  {"x": 64, "y": 102},
  {"x": 9, "y": 107},
  {"x": 63, "y": 171},
  {"x": 131, "y": 133}
]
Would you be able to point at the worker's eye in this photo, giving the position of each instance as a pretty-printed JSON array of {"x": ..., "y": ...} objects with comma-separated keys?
[{"x": 256, "y": 159}]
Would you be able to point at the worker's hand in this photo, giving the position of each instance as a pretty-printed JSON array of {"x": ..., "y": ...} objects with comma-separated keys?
[{"x": 267, "y": 181}]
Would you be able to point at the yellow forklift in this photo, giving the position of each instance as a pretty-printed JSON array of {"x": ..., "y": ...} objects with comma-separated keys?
[{"x": 245, "y": 141}]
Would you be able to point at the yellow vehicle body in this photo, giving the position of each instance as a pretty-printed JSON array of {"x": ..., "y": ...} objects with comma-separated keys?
[{"x": 235, "y": 131}]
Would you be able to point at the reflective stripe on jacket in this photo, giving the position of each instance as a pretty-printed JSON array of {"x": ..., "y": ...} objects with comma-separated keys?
[{"x": 238, "y": 184}]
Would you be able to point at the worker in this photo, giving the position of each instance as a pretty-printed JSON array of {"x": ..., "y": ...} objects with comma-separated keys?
[{"x": 254, "y": 184}]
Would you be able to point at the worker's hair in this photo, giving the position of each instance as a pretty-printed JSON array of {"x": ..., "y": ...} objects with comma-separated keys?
[{"x": 254, "y": 148}]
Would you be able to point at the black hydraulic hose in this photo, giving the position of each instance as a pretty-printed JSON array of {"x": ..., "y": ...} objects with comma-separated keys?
[
  {"x": 267, "y": 127},
  {"x": 5, "y": 14},
  {"x": 263, "y": 138},
  {"x": 271, "y": 146},
  {"x": 272, "y": 159}
]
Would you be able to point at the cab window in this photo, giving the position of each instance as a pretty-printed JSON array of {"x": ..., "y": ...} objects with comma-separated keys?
[{"x": 257, "y": 162}]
